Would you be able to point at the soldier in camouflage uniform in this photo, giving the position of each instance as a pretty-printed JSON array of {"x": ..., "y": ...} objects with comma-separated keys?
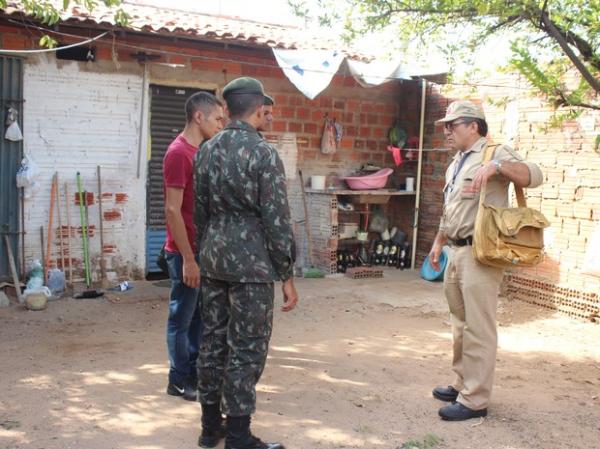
[
  {"x": 267, "y": 115},
  {"x": 246, "y": 243}
]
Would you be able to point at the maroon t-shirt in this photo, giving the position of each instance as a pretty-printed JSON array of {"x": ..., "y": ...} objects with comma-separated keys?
[{"x": 178, "y": 168}]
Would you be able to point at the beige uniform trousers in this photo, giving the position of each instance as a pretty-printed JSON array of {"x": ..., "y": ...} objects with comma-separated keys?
[{"x": 472, "y": 293}]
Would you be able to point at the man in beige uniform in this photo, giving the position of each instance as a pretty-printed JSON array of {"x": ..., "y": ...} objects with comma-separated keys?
[{"x": 470, "y": 287}]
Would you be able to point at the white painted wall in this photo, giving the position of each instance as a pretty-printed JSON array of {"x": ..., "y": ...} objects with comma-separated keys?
[{"x": 78, "y": 116}]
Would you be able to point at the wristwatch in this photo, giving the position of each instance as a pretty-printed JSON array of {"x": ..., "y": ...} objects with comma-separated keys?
[{"x": 498, "y": 165}]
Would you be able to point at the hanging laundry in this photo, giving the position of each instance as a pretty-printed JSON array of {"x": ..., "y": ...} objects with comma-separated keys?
[
  {"x": 339, "y": 132},
  {"x": 310, "y": 71},
  {"x": 13, "y": 132},
  {"x": 328, "y": 141},
  {"x": 370, "y": 74},
  {"x": 397, "y": 153}
]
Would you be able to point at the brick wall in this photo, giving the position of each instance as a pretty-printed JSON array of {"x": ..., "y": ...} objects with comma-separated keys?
[
  {"x": 570, "y": 196},
  {"x": 366, "y": 122},
  {"x": 365, "y": 114}
]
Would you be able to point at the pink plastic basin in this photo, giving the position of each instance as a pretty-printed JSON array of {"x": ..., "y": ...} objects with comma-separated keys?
[{"x": 377, "y": 180}]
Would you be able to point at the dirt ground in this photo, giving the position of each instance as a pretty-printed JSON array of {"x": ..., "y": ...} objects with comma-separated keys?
[{"x": 352, "y": 367}]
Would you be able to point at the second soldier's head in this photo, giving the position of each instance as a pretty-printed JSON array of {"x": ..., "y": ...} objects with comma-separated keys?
[
  {"x": 268, "y": 114},
  {"x": 205, "y": 112}
]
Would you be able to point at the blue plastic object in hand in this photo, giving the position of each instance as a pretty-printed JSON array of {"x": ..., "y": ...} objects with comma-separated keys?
[{"x": 427, "y": 271}]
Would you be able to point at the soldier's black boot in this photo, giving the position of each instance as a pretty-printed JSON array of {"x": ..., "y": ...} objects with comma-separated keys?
[
  {"x": 240, "y": 437},
  {"x": 213, "y": 430}
]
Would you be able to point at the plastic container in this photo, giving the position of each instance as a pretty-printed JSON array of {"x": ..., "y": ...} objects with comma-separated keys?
[
  {"x": 37, "y": 299},
  {"x": 36, "y": 276},
  {"x": 377, "y": 180},
  {"x": 427, "y": 271},
  {"x": 362, "y": 236},
  {"x": 56, "y": 281},
  {"x": 317, "y": 182},
  {"x": 348, "y": 230}
]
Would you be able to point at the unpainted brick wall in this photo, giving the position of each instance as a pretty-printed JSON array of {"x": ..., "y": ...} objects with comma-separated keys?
[{"x": 365, "y": 114}]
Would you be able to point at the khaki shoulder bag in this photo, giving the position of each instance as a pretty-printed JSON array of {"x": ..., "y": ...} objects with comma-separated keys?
[{"x": 508, "y": 236}]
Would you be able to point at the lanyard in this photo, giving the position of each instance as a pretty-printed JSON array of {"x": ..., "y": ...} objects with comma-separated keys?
[{"x": 457, "y": 169}]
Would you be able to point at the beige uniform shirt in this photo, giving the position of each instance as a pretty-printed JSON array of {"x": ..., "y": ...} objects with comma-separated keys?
[{"x": 460, "y": 208}]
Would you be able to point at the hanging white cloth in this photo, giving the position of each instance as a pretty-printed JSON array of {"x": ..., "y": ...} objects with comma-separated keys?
[
  {"x": 310, "y": 71},
  {"x": 374, "y": 73},
  {"x": 13, "y": 132}
]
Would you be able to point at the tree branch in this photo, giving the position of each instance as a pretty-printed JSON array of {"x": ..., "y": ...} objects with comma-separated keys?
[
  {"x": 584, "y": 48},
  {"x": 564, "y": 101},
  {"x": 551, "y": 29}
]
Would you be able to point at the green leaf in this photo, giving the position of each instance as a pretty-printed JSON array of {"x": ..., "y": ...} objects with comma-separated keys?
[
  {"x": 121, "y": 17},
  {"x": 48, "y": 42},
  {"x": 538, "y": 56}
]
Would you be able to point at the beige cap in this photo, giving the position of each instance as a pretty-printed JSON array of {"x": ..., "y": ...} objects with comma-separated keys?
[{"x": 462, "y": 109}]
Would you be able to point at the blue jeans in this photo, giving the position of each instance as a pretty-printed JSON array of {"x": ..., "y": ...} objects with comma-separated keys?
[{"x": 184, "y": 327}]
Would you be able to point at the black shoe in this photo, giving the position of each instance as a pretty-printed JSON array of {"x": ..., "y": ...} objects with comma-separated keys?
[
  {"x": 185, "y": 390},
  {"x": 445, "y": 394},
  {"x": 211, "y": 438},
  {"x": 254, "y": 443},
  {"x": 240, "y": 437},
  {"x": 213, "y": 428},
  {"x": 459, "y": 412}
]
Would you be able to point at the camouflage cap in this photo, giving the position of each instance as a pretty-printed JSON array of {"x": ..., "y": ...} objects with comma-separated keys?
[
  {"x": 269, "y": 100},
  {"x": 244, "y": 85},
  {"x": 462, "y": 109}
]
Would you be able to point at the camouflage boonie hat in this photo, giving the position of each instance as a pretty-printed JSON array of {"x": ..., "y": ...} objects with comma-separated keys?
[
  {"x": 244, "y": 85},
  {"x": 269, "y": 100},
  {"x": 462, "y": 109}
]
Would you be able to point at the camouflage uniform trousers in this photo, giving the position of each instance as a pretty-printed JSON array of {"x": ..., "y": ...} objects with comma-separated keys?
[{"x": 238, "y": 320}]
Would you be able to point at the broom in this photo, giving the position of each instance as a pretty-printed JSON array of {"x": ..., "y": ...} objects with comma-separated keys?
[
  {"x": 311, "y": 272},
  {"x": 86, "y": 251}
]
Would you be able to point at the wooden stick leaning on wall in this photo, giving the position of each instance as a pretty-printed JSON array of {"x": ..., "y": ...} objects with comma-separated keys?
[
  {"x": 13, "y": 268},
  {"x": 103, "y": 280},
  {"x": 50, "y": 224},
  {"x": 70, "y": 254},
  {"x": 60, "y": 228}
]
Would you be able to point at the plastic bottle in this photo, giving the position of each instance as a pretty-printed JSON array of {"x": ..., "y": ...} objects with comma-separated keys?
[{"x": 56, "y": 281}]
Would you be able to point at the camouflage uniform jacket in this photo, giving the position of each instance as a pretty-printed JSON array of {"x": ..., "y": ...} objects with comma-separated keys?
[{"x": 241, "y": 208}]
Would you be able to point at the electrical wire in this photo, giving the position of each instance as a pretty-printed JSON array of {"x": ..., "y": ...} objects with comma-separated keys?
[
  {"x": 235, "y": 61},
  {"x": 258, "y": 64},
  {"x": 50, "y": 50}
]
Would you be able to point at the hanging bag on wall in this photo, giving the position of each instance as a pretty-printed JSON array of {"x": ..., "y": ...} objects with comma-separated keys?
[
  {"x": 328, "y": 143},
  {"x": 508, "y": 236}
]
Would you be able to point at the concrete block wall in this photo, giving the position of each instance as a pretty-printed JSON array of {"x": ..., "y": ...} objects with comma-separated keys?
[{"x": 569, "y": 198}]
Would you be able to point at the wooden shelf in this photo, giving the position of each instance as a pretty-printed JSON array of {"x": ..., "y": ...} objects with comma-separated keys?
[
  {"x": 349, "y": 192},
  {"x": 360, "y": 212}
]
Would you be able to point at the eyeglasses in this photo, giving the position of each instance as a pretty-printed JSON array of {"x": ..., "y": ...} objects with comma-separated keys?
[{"x": 451, "y": 126}]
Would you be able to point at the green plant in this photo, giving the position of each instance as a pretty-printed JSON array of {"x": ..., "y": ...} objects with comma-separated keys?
[
  {"x": 49, "y": 14},
  {"x": 429, "y": 441}
]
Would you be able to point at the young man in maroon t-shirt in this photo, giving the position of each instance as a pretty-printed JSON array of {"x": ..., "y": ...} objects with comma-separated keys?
[{"x": 204, "y": 115}]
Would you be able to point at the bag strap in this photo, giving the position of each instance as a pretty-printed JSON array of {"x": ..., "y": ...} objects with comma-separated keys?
[{"x": 489, "y": 154}]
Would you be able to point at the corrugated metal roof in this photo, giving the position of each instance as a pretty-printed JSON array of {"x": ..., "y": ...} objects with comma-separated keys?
[{"x": 202, "y": 26}]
